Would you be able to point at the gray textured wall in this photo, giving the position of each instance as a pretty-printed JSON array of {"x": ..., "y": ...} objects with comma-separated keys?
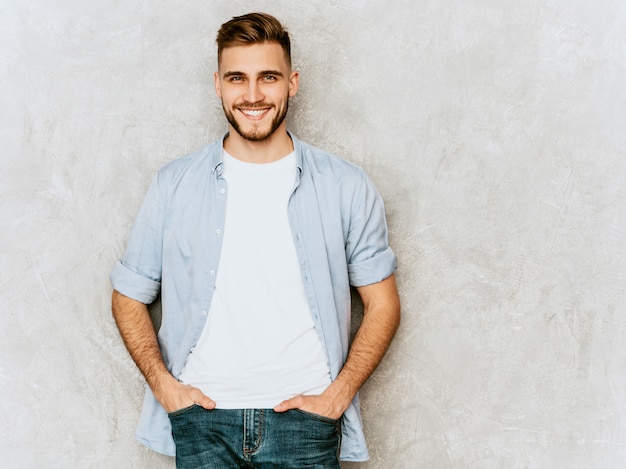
[{"x": 495, "y": 131}]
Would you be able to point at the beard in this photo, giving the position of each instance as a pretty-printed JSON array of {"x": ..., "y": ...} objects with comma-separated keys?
[{"x": 256, "y": 134}]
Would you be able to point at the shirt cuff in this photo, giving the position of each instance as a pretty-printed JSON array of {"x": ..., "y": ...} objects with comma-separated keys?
[
  {"x": 133, "y": 285},
  {"x": 374, "y": 269}
]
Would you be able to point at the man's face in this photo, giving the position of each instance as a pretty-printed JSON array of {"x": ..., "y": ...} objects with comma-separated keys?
[{"x": 255, "y": 83}]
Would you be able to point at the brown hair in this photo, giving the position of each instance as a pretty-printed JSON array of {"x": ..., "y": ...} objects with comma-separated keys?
[{"x": 253, "y": 28}]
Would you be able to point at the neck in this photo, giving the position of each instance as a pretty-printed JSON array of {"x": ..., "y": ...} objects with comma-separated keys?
[{"x": 276, "y": 146}]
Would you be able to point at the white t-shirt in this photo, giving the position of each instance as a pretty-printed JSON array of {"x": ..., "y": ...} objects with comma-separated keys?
[{"x": 259, "y": 345}]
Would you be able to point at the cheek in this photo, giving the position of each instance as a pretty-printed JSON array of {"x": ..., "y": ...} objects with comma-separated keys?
[{"x": 226, "y": 95}]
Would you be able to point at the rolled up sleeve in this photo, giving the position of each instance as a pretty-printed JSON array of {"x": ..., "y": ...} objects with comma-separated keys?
[
  {"x": 138, "y": 274},
  {"x": 133, "y": 285},
  {"x": 374, "y": 269},
  {"x": 370, "y": 259}
]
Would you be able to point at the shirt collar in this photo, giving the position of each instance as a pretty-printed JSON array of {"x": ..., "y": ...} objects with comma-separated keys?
[
  {"x": 297, "y": 146},
  {"x": 217, "y": 164}
]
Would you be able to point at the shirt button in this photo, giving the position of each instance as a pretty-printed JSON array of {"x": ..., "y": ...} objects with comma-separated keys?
[
  {"x": 222, "y": 191},
  {"x": 219, "y": 232},
  {"x": 204, "y": 313},
  {"x": 212, "y": 272}
]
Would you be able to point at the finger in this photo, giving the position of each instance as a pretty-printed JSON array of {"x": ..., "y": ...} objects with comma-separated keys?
[
  {"x": 201, "y": 399},
  {"x": 282, "y": 407},
  {"x": 288, "y": 404}
]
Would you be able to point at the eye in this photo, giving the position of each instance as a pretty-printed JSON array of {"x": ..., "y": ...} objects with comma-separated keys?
[
  {"x": 235, "y": 79},
  {"x": 269, "y": 78}
]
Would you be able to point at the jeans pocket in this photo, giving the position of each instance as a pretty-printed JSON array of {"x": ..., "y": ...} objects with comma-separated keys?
[
  {"x": 179, "y": 412},
  {"x": 318, "y": 417}
]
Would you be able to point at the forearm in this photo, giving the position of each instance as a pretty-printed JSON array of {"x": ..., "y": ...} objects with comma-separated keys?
[
  {"x": 380, "y": 322},
  {"x": 137, "y": 331},
  {"x": 367, "y": 351}
]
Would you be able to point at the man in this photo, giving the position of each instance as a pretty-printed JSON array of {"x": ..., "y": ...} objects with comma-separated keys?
[{"x": 253, "y": 243}]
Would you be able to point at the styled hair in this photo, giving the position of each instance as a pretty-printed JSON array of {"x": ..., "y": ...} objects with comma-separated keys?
[{"x": 253, "y": 28}]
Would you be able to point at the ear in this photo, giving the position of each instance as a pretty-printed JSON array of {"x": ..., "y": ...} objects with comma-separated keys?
[
  {"x": 293, "y": 83},
  {"x": 216, "y": 79}
]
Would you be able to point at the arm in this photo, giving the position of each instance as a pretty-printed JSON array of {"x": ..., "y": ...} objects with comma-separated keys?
[
  {"x": 137, "y": 331},
  {"x": 380, "y": 321}
]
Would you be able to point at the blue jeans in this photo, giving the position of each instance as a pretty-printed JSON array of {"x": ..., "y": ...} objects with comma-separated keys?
[{"x": 254, "y": 438}]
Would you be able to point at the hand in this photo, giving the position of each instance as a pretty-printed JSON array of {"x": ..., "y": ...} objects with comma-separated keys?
[
  {"x": 175, "y": 395},
  {"x": 319, "y": 405}
]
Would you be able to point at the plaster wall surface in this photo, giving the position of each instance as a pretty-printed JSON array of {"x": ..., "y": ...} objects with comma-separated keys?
[{"x": 494, "y": 131}]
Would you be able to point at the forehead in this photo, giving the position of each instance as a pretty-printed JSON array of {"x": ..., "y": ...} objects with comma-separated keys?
[{"x": 253, "y": 57}]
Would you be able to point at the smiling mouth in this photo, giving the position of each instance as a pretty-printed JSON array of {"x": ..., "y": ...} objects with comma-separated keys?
[{"x": 254, "y": 113}]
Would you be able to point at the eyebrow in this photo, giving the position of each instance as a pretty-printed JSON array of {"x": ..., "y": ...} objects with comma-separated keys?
[{"x": 235, "y": 73}]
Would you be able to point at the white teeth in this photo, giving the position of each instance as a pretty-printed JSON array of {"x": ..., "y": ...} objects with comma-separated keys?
[{"x": 253, "y": 113}]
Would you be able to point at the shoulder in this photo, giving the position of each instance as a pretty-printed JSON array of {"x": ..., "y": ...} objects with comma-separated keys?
[
  {"x": 192, "y": 165},
  {"x": 320, "y": 163}
]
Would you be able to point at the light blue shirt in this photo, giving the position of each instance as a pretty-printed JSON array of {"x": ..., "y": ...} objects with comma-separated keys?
[{"x": 338, "y": 225}]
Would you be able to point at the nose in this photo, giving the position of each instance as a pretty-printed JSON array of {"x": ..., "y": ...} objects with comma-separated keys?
[{"x": 253, "y": 92}]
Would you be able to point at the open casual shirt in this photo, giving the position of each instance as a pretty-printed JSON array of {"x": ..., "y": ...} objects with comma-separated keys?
[{"x": 339, "y": 230}]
